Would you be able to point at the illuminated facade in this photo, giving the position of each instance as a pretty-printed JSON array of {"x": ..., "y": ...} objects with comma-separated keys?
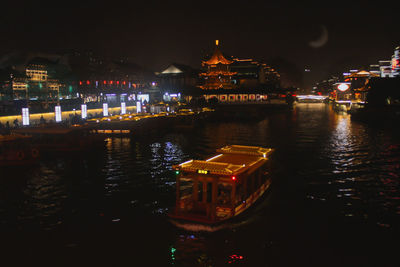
[
  {"x": 396, "y": 63},
  {"x": 38, "y": 84},
  {"x": 218, "y": 74},
  {"x": 36, "y": 73},
  {"x": 34, "y": 84},
  {"x": 253, "y": 74},
  {"x": 234, "y": 73},
  {"x": 178, "y": 78},
  {"x": 358, "y": 81}
]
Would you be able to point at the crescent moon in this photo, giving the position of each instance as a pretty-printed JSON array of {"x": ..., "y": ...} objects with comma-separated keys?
[{"x": 321, "y": 40}]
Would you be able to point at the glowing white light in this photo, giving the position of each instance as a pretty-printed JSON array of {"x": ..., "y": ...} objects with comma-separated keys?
[
  {"x": 186, "y": 162},
  {"x": 84, "y": 111},
  {"x": 105, "y": 109},
  {"x": 58, "y": 113},
  {"x": 343, "y": 87},
  {"x": 25, "y": 116},
  {"x": 123, "y": 108},
  {"x": 214, "y": 157},
  {"x": 138, "y": 107},
  {"x": 143, "y": 97}
]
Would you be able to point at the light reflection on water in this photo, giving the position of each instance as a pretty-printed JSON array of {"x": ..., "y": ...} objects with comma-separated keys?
[{"x": 326, "y": 165}]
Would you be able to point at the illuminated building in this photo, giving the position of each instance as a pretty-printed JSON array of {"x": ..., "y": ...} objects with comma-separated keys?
[
  {"x": 396, "y": 62},
  {"x": 358, "y": 81},
  {"x": 385, "y": 68},
  {"x": 178, "y": 78},
  {"x": 19, "y": 88},
  {"x": 253, "y": 74},
  {"x": 36, "y": 73},
  {"x": 114, "y": 81},
  {"x": 391, "y": 68},
  {"x": 218, "y": 74},
  {"x": 222, "y": 73},
  {"x": 38, "y": 83}
]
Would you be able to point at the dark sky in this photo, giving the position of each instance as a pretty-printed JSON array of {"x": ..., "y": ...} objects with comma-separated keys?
[{"x": 154, "y": 34}]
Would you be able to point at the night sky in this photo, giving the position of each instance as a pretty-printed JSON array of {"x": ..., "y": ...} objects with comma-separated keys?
[{"x": 155, "y": 34}]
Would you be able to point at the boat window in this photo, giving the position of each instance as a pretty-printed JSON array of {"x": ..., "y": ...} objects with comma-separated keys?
[
  {"x": 264, "y": 174},
  {"x": 200, "y": 191},
  {"x": 224, "y": 194},
  {"x": 257, "y": 178},
  {"x": 250, "y": 184},
  {"x": 240, "y": 197},
  {"x": 186, "y": 187},
  {"x": 209, "y": 192}
]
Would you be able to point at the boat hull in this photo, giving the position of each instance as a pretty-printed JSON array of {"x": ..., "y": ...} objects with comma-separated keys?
[{"x": 199, "y": 223}]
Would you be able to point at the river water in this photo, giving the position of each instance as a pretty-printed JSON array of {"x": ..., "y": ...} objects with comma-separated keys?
[{"x": 335, "y": 200}]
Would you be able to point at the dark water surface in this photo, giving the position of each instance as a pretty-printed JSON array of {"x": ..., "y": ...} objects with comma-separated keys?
[{"x": 335, "y": 202}]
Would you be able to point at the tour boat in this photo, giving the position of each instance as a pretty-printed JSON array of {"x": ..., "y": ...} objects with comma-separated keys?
[
  {"x": 223, "y": 186},
  {"x": 17, "y": 150},
  {"x": 62, "y": 139}
]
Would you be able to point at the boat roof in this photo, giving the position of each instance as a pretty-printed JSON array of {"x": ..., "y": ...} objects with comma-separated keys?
[
  {"x": 245, "y": 150},
  {"x": 48, "y": 130},
  {"x": 13, "y": 137},
  {"x": 232, "y": 160}
]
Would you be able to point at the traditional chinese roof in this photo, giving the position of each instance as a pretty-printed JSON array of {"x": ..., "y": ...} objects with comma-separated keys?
[
  {"x": 217, "y": 57},
  {"x": 362, "y": 73},
  {"x": 171, "y": 70},
  {"x": 212, "y": 167},
  {"x": 245, "y": 150},
  {"x": 176, "y": 68},
  {"x": 233, "y": 160}
]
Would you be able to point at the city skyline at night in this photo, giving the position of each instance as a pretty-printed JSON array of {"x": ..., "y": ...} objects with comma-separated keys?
[{"x": 322, "y": 38}]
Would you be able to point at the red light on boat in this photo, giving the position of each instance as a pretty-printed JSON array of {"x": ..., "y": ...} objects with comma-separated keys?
[
  {"x": 104, "y": 82},
  {"x": 233, "y": 178}
]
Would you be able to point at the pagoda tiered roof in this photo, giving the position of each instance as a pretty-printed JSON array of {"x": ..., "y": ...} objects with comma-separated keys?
[{"x": 217, "y": 57}]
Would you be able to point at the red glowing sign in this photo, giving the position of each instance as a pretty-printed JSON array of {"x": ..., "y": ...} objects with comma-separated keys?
[
  {"x": 395, "y": 63},
  {"x": 117, "y": 82},
  {"x": 87, "y": 82},
  {"x": 104, "y": 82},
  {"x": 111, "y": 82},
  {"x": 80, "y": 82},
  {"x": 235, "y": 258}
]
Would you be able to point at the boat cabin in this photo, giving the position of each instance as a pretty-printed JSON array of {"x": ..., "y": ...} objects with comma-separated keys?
[{"x": 223, "y": 186}]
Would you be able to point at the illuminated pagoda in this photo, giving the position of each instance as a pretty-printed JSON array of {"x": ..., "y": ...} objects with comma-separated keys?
[{"x": 218, "y": 75}]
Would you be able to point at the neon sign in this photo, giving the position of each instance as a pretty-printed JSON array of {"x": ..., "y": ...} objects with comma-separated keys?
[{"x": 343, "y": 87}]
